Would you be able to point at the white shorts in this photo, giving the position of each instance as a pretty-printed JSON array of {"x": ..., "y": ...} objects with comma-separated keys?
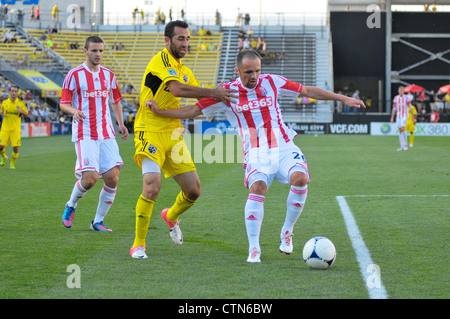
[
  {"x": 98, "y": 155},
  {"x": 401, "y": 121},
  {"x": 276, "y": 163}
]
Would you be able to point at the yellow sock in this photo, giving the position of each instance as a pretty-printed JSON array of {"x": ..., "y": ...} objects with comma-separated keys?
[
  {"x": 411, "y": 139},
  {"x": 14, "y": 157},
  {"x": 144, "y": 209},
  {"x": 182, "y": 204},
  {"x": 2, "y": 153}
]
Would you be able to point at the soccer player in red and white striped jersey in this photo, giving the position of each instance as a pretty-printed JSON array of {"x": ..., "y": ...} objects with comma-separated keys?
[
  {"x": 401, "y": 104},
  {"x": 268, "y": 146},
  {"x": 87, "y": 92}
]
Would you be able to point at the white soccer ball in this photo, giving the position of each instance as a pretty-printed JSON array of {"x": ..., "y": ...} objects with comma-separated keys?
[{"x": 319, "y": 253}]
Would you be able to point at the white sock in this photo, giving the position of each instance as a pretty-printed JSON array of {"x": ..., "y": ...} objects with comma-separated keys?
[
  {"x": 105, "y": 201},
  {"x": 77, "y": 193},
  {"x": 405, "y": 140},
  {"x": 400, "y": 137},
  {"x": 295, "y": 203},
  {"x": 254, "y": 214}
]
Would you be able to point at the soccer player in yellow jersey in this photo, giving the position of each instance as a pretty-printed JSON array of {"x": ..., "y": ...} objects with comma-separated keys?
[
  {"x": 158, "y": 140},
  {"x": 411, "y": 124},
  {"x": 12, "y": 111}
]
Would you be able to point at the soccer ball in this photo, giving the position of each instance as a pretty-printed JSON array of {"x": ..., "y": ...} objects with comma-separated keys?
[{"x": 319, "y": 253}]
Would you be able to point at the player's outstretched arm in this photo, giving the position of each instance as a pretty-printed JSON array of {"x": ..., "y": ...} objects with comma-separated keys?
[
  {"x": 321, "y": 94},
  {"x": 186, "y": 112},
  {"x": 184, "y": 90}
]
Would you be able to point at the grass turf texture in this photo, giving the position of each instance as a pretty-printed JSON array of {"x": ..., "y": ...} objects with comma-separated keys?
[{"x": 406, "y": 236}]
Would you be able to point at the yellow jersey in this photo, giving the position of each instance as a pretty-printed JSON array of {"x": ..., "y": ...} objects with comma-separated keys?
[
  {"x": 411, "y": 116},
  {"x": 11, "y": 117},
  {"x": 161, "y": 69}
]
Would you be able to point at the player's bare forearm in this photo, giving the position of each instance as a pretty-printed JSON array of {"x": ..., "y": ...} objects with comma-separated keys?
[
  {"x": 186, "y": 112},
  {"x": 118, "y": 113},
  {"x": 188, "y": 91},
  {"x": 77, "y": 114},
  {"x": 321, "y": 94}
]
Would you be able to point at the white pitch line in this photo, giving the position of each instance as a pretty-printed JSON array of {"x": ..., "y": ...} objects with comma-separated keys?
[{"x": 375, "y": 288}]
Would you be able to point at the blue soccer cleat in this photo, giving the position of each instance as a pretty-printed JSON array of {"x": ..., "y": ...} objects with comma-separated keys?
[{"x": 68, "y": 215}]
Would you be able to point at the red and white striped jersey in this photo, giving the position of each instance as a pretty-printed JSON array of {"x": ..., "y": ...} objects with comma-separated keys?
[
  {"x": 256, "y": 115},
  {"x": 90, "y": 92},
  {"x": 401, "y": 104}
]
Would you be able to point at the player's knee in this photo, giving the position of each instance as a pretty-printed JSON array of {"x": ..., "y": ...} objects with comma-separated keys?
[
  {"x": 258, "y": 187},
  {"x": 194, "y": 191},
  {"x": 298, "y": 179},
  {"x": 151, "y": 187}
]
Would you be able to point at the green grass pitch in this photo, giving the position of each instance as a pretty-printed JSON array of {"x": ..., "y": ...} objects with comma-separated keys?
[{"x": 407, "y": 236}]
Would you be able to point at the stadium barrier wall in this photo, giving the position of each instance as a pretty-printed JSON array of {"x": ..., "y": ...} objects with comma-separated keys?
[
  {"x": 372, "y": 128},
  {"x": 422, "y": 129},
  {"x": 45, "y": 129}
]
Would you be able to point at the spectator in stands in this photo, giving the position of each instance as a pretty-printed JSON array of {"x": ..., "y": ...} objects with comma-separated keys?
[
  {"x": 283, "y": 55},
  {"x": 434, "y": 116},
  {"x": 421, "y": 101},
  {"x": 439, "y": 103},
  {"x": 446, "y": 101},
  {"x": 4, "y": 37},
  {"x": 27, "y": 96},
  {"x": 201, "y": 32},
  {"x": 133, "y": 14},
  {"x": 356, "y": 97},
  {"x": 339, "y": 104},
  {"x": 74, "y": 45},
  {"x": 163, "y": 18},
  {"x": 142, "y": 16},
  {"x": 240, "y": 44},
  {"x": 239, "y": 17},
  {"x": 432, "y": 100},
  {"x": 261, "y": 47},
  {"x": 423, "y": 116},
  {"x": 37, "y": 14},
  {"x": 130, "y": 88},
  {"x": 44, "y": 114},
  {"x": 246, "y": 44},
  {"x": 8, "y": 37},
  {"x": 242, "y": 34},
  {"x": 218, "y": 20},
  {"x": 32, "y": 11},
  {"x": 247, "y": 19},
  {"x": 115, "y": 47},
  {"x": 55, "y": 10},
  {"x": 121, "y": 47},
  {"x": 50, "y": 44}
]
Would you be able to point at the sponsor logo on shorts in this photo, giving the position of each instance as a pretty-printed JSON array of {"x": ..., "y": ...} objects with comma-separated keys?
[{"x": 152, "y": 149}]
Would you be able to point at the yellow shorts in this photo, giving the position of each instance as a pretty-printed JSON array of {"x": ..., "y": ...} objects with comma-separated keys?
[
  {"x": 410, "y": 127},
  {"x": 168, "y": 150},
  {"x": 10, "y": 136}
]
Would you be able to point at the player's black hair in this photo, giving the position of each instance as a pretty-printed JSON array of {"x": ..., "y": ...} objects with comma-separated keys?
[
  {"x": 251, "y": 54},
  {"x": 13, "y": 86},
  {"x": 169, "y": 31},
  {"x": 93, "y": 39}
]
